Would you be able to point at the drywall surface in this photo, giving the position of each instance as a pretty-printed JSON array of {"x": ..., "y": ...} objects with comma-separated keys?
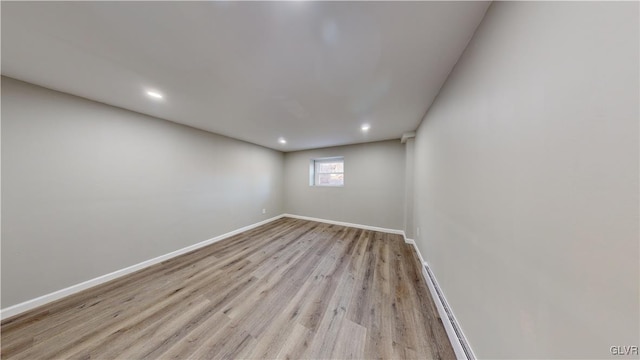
[
  {"x": 409, "y": 196},
  {"x": 527, "y": 181},
  {"x": 88, "y": 189},
  {"x": 373, "y": 191}
]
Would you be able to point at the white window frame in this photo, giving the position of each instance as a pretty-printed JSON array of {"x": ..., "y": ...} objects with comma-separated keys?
[{"x": 313, "y": 176}]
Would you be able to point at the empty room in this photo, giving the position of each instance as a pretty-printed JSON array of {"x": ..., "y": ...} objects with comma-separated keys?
[{"x": 320, "y": 180}]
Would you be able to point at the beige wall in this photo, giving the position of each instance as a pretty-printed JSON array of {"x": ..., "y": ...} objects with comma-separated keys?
[
  {"x": 527, "y": 181},
  {"x": 373, "y": 193},
  {"x": 88, "y": 189}
]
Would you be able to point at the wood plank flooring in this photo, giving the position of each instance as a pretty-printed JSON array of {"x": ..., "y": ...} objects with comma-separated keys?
[{"x": 289, "y": 289}]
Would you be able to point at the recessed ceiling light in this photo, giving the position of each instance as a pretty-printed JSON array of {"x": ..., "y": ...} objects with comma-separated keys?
[
  {"x": 365, "y": 127},
  {"x": 154, "y": 94},
  {"x": 282, "y": 141}
]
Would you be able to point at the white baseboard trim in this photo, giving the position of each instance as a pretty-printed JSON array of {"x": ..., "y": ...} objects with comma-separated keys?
[
  {"x": 342, "y": 223},
  {"x": 458, "y": 341},
  {"x": 413, "y": 242},
  {"x": 44, "y": 299}
]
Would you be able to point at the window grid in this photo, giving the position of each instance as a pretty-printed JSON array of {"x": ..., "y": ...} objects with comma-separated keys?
[{"x": 328, "y": 172}]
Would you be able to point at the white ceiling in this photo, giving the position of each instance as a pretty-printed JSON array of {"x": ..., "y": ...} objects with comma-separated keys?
[{"x": 311, "y": 72}]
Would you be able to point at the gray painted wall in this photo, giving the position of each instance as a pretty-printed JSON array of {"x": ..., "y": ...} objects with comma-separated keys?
[
  {"x": 409, "y": 188},
  {"x": 373, "y": 193},
  {"x": 88, "y": 189},
  {"x": 527, "y": 181}
]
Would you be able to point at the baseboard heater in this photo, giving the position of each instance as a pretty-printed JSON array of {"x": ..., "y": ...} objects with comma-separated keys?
[{"x": 447, "y": 309}]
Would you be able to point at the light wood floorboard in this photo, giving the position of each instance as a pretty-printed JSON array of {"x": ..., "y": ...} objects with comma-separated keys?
[{"x": 289, "y": 289}]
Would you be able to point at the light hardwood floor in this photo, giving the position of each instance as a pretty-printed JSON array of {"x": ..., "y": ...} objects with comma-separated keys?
[{"x": 289, "y": 289}]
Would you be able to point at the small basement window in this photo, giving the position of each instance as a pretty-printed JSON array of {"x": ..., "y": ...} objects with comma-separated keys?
[{"x": 327, "y": 172}]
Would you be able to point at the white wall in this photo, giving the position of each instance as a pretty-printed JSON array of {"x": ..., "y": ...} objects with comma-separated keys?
[
  {"x": 373, "y": 192},
  {"x": 527, "y": 181},
  {"x": 88, "y": 189}
]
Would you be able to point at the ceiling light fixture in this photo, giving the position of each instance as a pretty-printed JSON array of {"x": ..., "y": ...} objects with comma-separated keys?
[
  {"x": 365, "y": 127},
  {"x": 154, "y": 94},
  {"x": 282, "y": 141}
]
